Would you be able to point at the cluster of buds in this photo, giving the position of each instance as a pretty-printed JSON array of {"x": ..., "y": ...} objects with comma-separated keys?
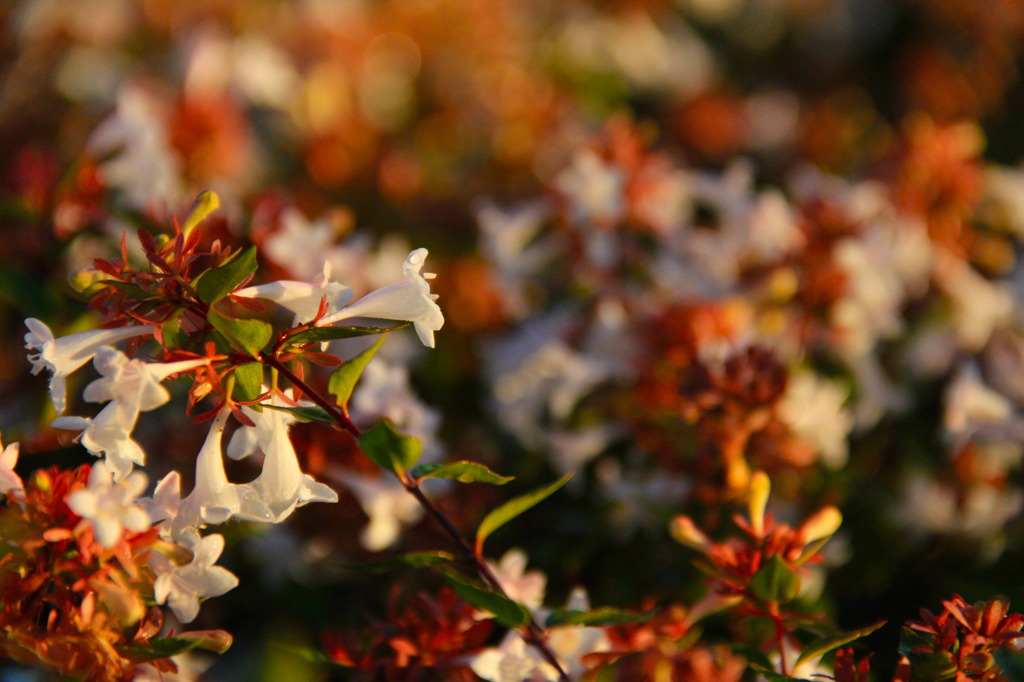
[
  {"x": 760, "y": 574},
  {"x": 962, "y": 642}
]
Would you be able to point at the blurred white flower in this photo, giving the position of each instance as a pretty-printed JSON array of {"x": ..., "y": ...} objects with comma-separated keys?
[
  {"x": 181, "y": 587},
  {"x": 64, "y": 355},
  {"x": 813, "y": 408},
  {"x": 110, "y": 507},
  {"x": 974, "y": 409},
  {"x": 522, "y": 586},
  {"x": 388, "y": 505},
  {"x": 409, "y": 300},
  {"x": 9, "y": 480},
  {"x": 594, "y": 189},
  {"x": 384, "y": 392}
]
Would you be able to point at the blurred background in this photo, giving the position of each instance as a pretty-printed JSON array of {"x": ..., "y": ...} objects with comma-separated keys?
[{"x": 676, "y": 240}]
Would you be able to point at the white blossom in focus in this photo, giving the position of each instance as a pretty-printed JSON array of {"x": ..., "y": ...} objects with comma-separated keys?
[
  {"x": 110, "y": 507},
  {"x": 64, "y": 355},
  {"x": 181, "y": 587},
  {"x": 281, "y": 484},
  {"x": 409, "y": 300},
  {"x": 302, "y": 298}
]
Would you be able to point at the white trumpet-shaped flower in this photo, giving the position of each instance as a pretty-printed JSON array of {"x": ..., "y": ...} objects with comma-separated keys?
[
  {"x": 409, "y": 300},
  {"x": 302, "y": 298},
  {"x": 131, "y": 386},
  {"x": 64, "y": 355},
  {"x": 109, "y": 506},
  {"x": 281, "y": 484},
  {"x": 9, "y": 480},
  {"x": 214, "y": 499},
  {"x": 181, "y": 587}
]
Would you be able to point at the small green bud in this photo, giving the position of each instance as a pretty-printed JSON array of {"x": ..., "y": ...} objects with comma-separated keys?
[{"x": 87, "y": 281}]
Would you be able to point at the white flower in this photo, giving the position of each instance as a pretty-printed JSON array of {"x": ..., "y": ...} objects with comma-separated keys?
[
  {"x": 131, "y": 386},
  {"x": 9, "y": 480},
  {"x": 388, "y": 505},
  {"x": 409, "y": 300},
  {"x": 181, "y": 587},
  {"x": 64, "y": 355},
  {"x": 110, "y": 507},
  {"x": 513, "y": 661},
  {"x": 813, "y": 408},
  {"x": 214, "y": 499},
  {"x": 302, "y": 298},
  {"x": 594, "y": 189},
  {"x": 525, "y": 587},
  {"x": 281, "y": 484}
]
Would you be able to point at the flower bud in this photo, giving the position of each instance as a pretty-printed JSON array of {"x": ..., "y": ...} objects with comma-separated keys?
[
  {"x": 87, "y": 281},
  {"x": 757, "y": 500},
  {"x": 822, "y": 525},
  {"x": 686, "y": 532}
]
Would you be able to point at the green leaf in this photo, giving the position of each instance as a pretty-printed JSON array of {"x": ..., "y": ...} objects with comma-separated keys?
[
  {"x": 822, "y": 647},
  {"x": 343, "y": 380},
  {"x": 774, "y": 582},
  {"x": 390, "y": 449},
  {"x": 308, "y": 413},
  {"x": 248, "y": 336},
  {"x": 407, "y": 560},
  {"x": 516, "y": 506},
  {"x": 773, "y": 676},
  {"x": 164, "y": 647},
  {"x": 463, "y": 472},
  {"x": 507, "y": 612},
  {"x": 333, "y": 333},
  {"x": 248, "y": 381},
  {"x": 601, "y": 617},
  {"x": 206, "y": 203},
  {"x": 215, "y": 284}
]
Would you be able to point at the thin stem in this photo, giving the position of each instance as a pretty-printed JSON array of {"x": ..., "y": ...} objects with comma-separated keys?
[
  {"x": 329, "y": 407},
  {"x": 533, "y": 634}
]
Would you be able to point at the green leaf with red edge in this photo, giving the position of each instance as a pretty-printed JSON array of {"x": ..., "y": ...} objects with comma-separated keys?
[
  {"x": 601, "y": 617},
  {"x": 307, "y": 413},
  {"x": 506, "y": 611},
  {"x": 217, "y": 641},
  {"x": 516, "y": 506},
  {"x": 463, "y": 472},
  {"x": 775, "y": 582},
  {"x": 248, "y": 336},
  {"x": 248, "y": 381},
  {"x": 389, "y": 448},
  {"x": 343, "y": 380},
  {"x": 407, "y": 560},
  {"x": 215, "y": 284},
  {"x": 314, "y": 334},
  {"x": 823, "y": 646}
]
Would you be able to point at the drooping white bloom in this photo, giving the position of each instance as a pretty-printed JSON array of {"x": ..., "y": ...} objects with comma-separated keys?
[
  {"x": 388, "y": 505},
  {"x": 181, "y": 587},
  {"x": 522, "y": 586},
  {"x": 64, "y": 355},
  {"x": 131, "y": 386},
  {"x": 9, "y": 480},
  {"x": 303, "y": 298},
  {"x": 281, "y": 484},
  {"x": 409, "y": 300},
  {"x": 214, "y": 499},
  {"x": 110, "y": 506}
]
